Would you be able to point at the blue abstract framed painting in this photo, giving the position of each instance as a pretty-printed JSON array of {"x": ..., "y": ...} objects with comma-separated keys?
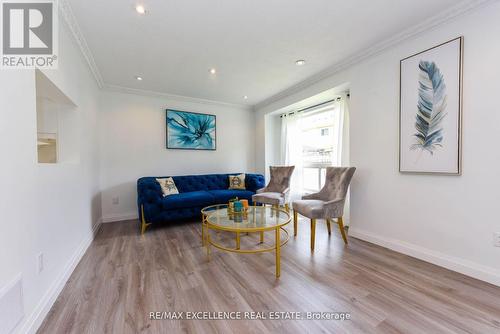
[
  {"x": 430, "y": 112},
  {"x": 190, "y": 130}
]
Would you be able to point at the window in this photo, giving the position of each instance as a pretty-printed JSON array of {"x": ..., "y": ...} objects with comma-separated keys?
[
  {"x": 318, "y": 149},
  {"x": 312, "y": 140}
]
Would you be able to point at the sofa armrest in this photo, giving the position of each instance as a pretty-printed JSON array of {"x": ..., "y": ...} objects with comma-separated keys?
[{"x": 148, "y": 194}]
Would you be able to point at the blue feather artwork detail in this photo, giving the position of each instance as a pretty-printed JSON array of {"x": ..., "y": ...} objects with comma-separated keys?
[
  {"x": 186, "y": 130},
  {"x": 431, "y": 108}
]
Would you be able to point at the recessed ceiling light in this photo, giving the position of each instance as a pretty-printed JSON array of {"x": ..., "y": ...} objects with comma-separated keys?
[
  {"x": 138, "y": 78},
  {"x": 213, "y": 71},
  {"x": 140, "y": 9},
  {"x": 300, "y": 62},
  {"x": 245, "y": 97}
]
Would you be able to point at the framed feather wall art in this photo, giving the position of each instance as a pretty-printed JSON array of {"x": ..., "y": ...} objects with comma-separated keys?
[{"x": 430, "y": 110}]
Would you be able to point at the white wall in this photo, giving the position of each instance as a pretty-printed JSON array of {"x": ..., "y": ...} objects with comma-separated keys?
[
  {"x": 132, "y": 144},
  {"x": 45, "y": 208},
  {"x": 447, "y": 220}
]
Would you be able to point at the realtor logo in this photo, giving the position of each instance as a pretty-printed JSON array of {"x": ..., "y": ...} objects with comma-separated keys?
[{"x": 29, "y": 34}]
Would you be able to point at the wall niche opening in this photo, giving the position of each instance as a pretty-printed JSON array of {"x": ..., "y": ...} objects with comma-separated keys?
[{"x": 57, "y": 124}]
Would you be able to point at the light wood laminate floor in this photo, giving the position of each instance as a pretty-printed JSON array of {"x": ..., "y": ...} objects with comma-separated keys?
[{"x": 124, "y": 276}]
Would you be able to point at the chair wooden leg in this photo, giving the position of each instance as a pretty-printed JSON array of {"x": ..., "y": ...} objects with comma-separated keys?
[
  {"x": 329, "y": 226},
  {"x": 261, "y": 237},
  {"x": 295, "y": 218},
  {"x": 340, "y": 222},
  {"x": 313, "y": 233}
]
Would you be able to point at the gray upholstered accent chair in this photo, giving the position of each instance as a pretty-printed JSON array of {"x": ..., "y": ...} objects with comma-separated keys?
[
  {"x": 328, "y": 203},
  {"x": 276, "y": 192}
]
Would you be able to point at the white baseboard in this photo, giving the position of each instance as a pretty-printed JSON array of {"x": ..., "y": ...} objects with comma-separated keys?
[
  {"x": 36, "y": 318},
  {"x": 483, "y": 273},
  {"x": 116, "y": 217}
]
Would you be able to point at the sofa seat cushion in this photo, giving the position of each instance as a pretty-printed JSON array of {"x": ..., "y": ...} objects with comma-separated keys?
[
  {"x": 176, "y": 215},
  {"x": 187, "y": 200},
  {"x": 223, "y": 196}
]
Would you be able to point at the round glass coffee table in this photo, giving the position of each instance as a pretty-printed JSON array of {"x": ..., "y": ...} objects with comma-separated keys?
[{"x": 254, "y": 219}]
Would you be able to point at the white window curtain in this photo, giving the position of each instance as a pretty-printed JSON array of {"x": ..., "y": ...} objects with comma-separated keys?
[
  {"x": 341, "y": 131},
  {"x": 343, "y": 157},
  {"x": 292, "y": 148},
  {"x": 291, "y": 151}
]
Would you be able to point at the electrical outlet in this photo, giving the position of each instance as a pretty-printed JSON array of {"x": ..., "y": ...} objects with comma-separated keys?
[
  {"x": 496, "y": 239},
  {"x": 116, "y": 200},
  {"x": 40, "y": 262}
]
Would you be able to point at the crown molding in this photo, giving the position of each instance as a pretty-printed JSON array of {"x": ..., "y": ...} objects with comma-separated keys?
[
  {"x": 455, "y": 11},
  {"x": 459, "y": 9},
  {"x": 172, "y": 97},
  {"x": 70, "y": 19}
]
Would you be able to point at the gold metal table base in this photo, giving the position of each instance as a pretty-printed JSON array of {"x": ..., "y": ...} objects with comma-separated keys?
[
  {"x": 277, "y": 245},
  {"x": 207, "y": 226}
]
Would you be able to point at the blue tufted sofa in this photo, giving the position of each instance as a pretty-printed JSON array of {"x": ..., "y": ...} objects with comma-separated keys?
[{"x": 195, "y": 193}]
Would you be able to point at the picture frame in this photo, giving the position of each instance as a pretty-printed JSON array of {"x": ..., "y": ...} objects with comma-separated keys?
[
  {"x": 187, "y": 130},
  {"x": 430, "y": 110}
]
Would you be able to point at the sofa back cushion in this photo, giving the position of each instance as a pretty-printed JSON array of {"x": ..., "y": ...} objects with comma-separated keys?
[{"x": 187, "y": 183}]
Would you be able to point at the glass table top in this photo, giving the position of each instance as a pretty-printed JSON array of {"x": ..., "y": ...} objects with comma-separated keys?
[{"x": 255, "y": 218}]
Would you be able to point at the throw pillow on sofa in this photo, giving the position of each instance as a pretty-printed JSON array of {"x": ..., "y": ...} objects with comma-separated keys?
[
  {"x": 237, "y": 182},
  {"x": 167, "y": 186}
]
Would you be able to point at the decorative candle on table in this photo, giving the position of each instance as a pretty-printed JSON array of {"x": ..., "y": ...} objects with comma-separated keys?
[
  {"x": 238, "y": 206},
  {"x": 245, "y": 207},
  {"x": 238, "y": 211}
]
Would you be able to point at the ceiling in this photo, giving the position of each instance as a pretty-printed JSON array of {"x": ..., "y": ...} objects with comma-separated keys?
[{"x": 252, "y": 44}]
